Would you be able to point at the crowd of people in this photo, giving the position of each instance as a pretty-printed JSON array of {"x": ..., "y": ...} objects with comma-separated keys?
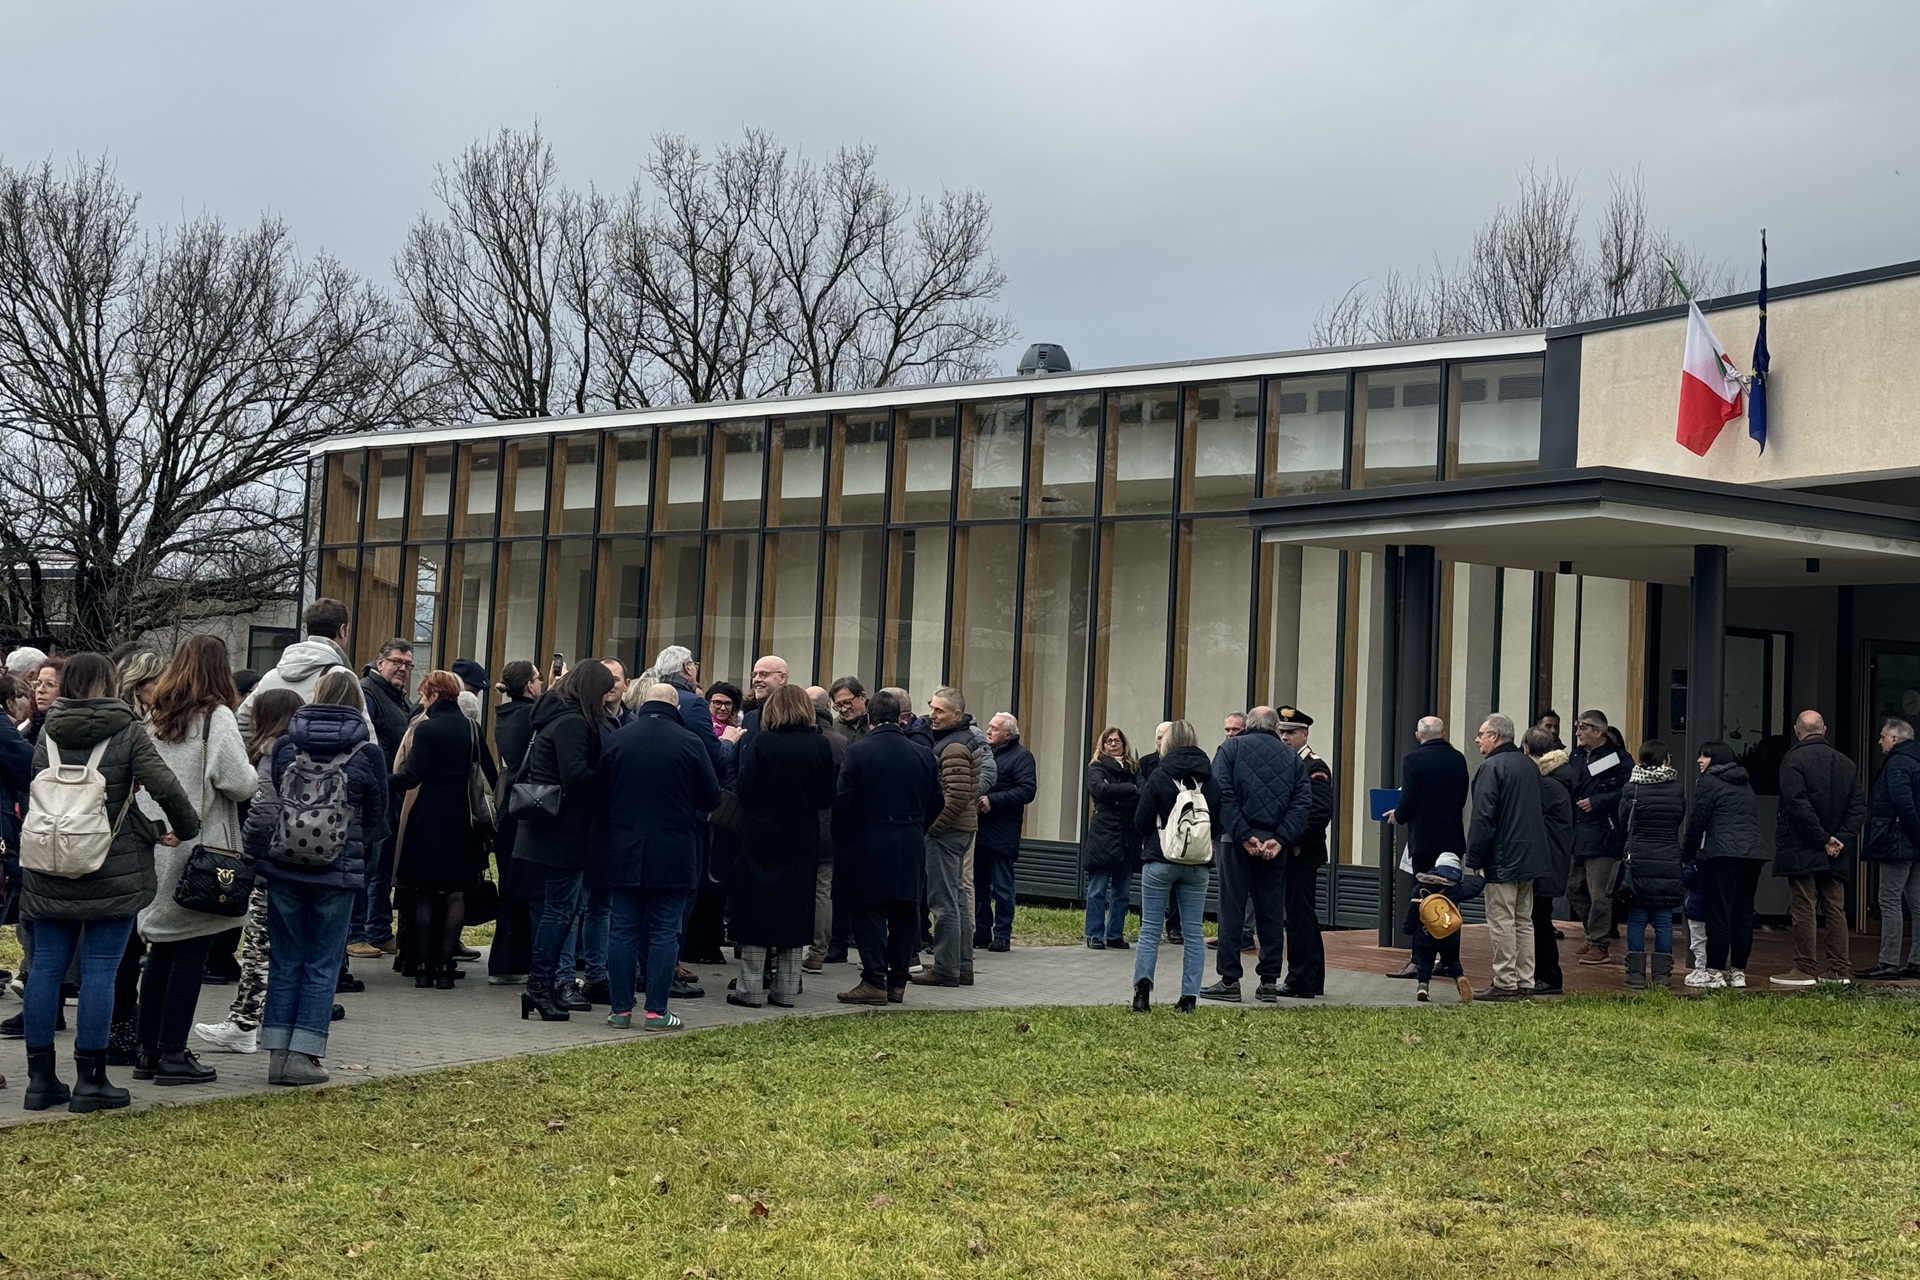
[{"x": 168, "y": 812}]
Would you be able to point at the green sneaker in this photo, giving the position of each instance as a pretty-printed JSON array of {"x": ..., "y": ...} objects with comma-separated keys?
[
  {"x": 621, "y": 1021},
  {"x": 663, "y": 1022}
]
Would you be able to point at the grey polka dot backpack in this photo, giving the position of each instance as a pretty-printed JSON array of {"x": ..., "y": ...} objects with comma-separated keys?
[{"x": 316, "y": 812}]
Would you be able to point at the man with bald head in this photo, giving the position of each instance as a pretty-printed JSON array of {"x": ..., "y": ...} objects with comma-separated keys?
[
  {"x": 769, "y": 673},
  {"x": 1433, "y": 800},
  {"x": 1816, "y": 841}
]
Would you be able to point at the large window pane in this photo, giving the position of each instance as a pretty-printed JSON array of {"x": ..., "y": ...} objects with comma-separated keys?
[
  {"x": 796, "y": 471},
  {"x": 620, "y": 609},
  {"x": 1066, "y": 453},
  {"x": 516, "y": 606},
  {"x": 1223, "y": 434},
  {"x": 789, "y": 595},
  {"x": 682, "y": 477},
  {"x": 1140, "y": 435},
  {"x": 1299, "y": 643},
  {"x": 917, "y": 618},
  {"x": 420, "y": 616},
  {"x": 993, "y": 455},
  {"x": 387, "y": 507},
  {"x": 346, "y": 476},
  {"x": 923, "y": 465},
  {"x": 986, "y": 593},
  {"x": 576, "y": 473},
  {"x": 568, "y": 624},
  {"x": 524, "y": 489},
  {"x": 1396, "y": 427},
  {"x": 851, "y": 609},
  {"x": 858, "y": 490},
  {"x": 1215, "y": 561},
  {"x": 432, "y": 493},
  {"x": 377, "y": 616},
  {"x": 733, "y": 582},
  {"x": 469, "y": 609},
  {"x": 629, "y": 482},
  {"x": 1131, "y": 648},
  {"x": 1499, "y": 417},
  {"x": 1306, "y": 434},
  {"x": 673, "y": 604},
  {"x": 1053, "y": 673},
  {"x": 476, "y": 507},
  {"x": 739, "y": 450},
  {"x": 340, "y": 575}
]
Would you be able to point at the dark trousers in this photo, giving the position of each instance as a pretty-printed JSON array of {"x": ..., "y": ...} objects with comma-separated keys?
[
  {"x": 992, "y": 897},
  {"x": 169, "y": 992},
  {"x": 1306, "y": 958},
  {"x": 643, "y": 924},
  {"x": 886, "y": 934},
  {"x": 1546, "y": 948},
  {"x": 705, "y": 939},
  {"x": 1431, "y": 954},
  {"x": 512, "y": 951},
  {"x": 560, "y": 898},
  {"x": 1727, "y": 885},
  {"x": 1245, "y": 879}
]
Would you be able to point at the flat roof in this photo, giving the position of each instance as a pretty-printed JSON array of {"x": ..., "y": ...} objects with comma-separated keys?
[
  {"x": 1223, "y": 369},
  {"x": 1613, "y": 523}
]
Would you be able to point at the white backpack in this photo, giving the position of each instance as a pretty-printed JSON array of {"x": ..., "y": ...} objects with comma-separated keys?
[
  {"x": 1186, "y": 838},
  {"x": 66, "y": 832}
]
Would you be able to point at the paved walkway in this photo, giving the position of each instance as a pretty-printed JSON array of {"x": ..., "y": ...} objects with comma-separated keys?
[{"x": 393, "y": 1028}]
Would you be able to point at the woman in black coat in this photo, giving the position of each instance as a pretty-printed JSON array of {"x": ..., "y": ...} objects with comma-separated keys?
[
  {"x": 1110, "y": 846},
  {"x": 1652, "y": 808},
  {"x": 1723, "y": 836},
  {"x": 786, "y": 778},
  {"x": 512, "y": 952},
  {"x": 439, "y": 853},
  {"x": 564, "y": 752}
]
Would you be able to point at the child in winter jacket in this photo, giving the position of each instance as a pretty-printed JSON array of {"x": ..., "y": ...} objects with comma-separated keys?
[{"x": 1445, "y": 881}]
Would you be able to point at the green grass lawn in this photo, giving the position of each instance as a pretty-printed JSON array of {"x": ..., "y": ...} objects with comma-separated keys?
[{"x": 1595, "y": 1137}]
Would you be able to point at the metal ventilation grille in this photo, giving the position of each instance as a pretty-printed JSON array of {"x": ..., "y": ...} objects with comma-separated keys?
[{"x": 1520, "y": 386}]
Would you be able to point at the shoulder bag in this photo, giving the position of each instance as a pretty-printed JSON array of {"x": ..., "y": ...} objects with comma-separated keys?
[
  {"x": 479, "y": 797},
  {"x": 532, "y": 799},
  {"x": 1621, "y": 890},
  {"x": 217, "y": 880}
]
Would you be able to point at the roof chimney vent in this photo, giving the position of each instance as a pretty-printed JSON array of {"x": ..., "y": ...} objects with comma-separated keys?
[{"x": 1044, "y": 357}]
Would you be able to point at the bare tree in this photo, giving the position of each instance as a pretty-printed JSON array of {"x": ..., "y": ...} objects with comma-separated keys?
[
  {"x": 1529, "y": 268},
  {"x": 158, "y": 392}
]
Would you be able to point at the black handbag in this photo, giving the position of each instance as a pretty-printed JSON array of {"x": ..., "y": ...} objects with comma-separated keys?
[
  {"x": 731, "y": 815},
  {"x": 531, "y": 799},
  {"x": 216, "y": 881},
  {"x": 480, "y": 810},
  {"x": 483, "y": 902},
  {"x": 1621, "y": 890}
]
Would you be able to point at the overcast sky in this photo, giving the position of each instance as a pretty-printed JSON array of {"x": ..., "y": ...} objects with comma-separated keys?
[{"x": 1168, "y": 180}]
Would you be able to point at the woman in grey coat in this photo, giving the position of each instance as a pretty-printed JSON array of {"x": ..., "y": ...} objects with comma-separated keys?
[{"x": 93, "y": 914}]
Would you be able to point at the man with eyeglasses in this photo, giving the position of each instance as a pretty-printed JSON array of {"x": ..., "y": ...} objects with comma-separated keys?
[
  {"x": 1507, "y": 843},
  {"x": 1600, "y": 771},
  {"x": 384, "y": 688},
  {"x": 849, "y": 698}
]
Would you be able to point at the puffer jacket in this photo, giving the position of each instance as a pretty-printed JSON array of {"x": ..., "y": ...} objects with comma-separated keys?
[
  {"x": 1263, "y": 788},
  {"x": 1556, "y": 804},
  {"x": 1893, "y": 822},
  {"x": 1723, "y": 821},
  {"x": 125, "y": 881},
  {"x": 324, "y": 732},
  {"x": 959, "y": 780},
  {"x": 1819, "y": 797},
  {"x": 1162, "y": 788},
  {"x": 1652, "y": 808},
  {"x": 1109, "y": 842}
]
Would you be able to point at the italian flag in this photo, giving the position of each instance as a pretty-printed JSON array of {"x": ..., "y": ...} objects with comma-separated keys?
[{"x": 1710, "y": 395}]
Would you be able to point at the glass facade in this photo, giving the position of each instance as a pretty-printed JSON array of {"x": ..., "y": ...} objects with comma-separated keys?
[{"x": 1078, "y": 559}]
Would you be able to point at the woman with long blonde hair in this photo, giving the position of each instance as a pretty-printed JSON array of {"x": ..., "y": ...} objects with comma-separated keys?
[{"x": 1110, "y": 847}]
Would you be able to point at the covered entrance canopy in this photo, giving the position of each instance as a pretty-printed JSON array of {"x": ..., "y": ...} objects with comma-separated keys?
[{"x": 1601, "y": 522}]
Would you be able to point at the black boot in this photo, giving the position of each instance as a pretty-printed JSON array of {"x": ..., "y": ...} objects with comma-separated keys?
[
  {"x": 93, "y": 1091},
  {"x": 44, "y": 1086},
  {"x": 123, "y": 1043},
  {"x": 1142, "y": 1001},
  {"x": 538, "y": 998}
]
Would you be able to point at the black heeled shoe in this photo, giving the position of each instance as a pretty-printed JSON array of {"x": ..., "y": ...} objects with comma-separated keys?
[{"x": 539, "y": 999}]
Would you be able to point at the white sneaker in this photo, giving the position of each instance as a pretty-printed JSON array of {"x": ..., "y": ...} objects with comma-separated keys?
[
  {"x": 229, "y": 1037},
  {"x": 1717, "y": 979},
  {"x": 1736, "y": 977},
  {"x": 1701, "y": 977},
  {"x": 1794, "y": 979}
]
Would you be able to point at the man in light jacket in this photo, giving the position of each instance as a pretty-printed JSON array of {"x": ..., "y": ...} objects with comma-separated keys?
[
  {"x": 329, "y": 631},
  {"x": 1507, "y": 843}
]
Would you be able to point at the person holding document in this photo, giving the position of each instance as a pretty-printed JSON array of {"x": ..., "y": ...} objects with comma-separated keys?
[{"x": 1600, "y": 771}]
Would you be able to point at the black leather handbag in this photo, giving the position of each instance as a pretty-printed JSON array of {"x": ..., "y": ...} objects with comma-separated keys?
[
  {"x": 216, "y": 881},
  {"x": 532, "y": 799}
]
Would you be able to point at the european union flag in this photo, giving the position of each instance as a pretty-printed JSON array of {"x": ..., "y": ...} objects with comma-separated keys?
[{"x": 1762, "y": 360}]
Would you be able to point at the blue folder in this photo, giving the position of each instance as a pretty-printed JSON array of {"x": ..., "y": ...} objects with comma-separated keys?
[{"x": 1381, "y": 799}]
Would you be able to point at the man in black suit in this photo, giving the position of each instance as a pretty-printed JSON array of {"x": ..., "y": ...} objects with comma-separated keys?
[{"x": 1433, "y": 800}]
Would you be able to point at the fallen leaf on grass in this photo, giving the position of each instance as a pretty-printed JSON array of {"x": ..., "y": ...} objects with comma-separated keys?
[
  {"x": 383, "y": 1194},
  {"x": 759, "y": 1210},
  {"x": 555, "y": 1126},
  {"x": 349, "y": 1066},
  {"x": 1021, "y": 1028},
  {"x": 734, "y": 1197},
  {"x": 978, "y": 1248},
  {"x": 365, "y": 1246},
  {"x": 880, "y": 1201},
  {"x": 1339, "y": 1157},
  {"x": 659, "y": 1184},
  {"x": 881, "y": 1056},
  {"x": 1910, "y": 1226}
]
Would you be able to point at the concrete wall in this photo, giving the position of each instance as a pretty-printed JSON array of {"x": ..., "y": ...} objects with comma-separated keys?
[{"x": 1844, "y": 397}]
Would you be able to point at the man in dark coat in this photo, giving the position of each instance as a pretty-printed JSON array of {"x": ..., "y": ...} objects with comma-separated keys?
[
  {"x": 384, "y": 689},
  {"x": 1300, "y": 868},
  {"x": 1893, "y": 841},
  {"x": 1507, "y": 843},
  {"x": 887, "y": 797},
  {"x": 1433, "y": 800},
  {"x": 1816, "y": 838},
  {"x": 1266, "y": 803},
  {"x": 1600, "y": 770},
  {"x": 1556, "y": 803},
  {"x": 997, "y": 845},
  {"x": 657, "y": 780}
]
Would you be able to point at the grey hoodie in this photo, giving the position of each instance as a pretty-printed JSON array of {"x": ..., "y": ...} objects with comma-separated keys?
[{"x": 301, "y": 665}]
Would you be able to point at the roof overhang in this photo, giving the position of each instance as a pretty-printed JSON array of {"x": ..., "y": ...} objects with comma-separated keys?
[{"x": 1612, "y": 523}]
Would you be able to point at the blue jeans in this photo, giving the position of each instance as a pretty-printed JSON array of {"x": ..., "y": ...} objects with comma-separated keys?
[
  {"x": 100, "y": 943},
  {"x": 587, "y": 941},
  {"x": 553, "y": 927},
  {"x": 1662, "y": 930},
  {"x": 992, "y": 896},
  {"x": 306, "y": 936},
  {"x": 1107, "y": 894},
  {"x": 372, "y": 919},
  {"x": 645, "y": 921},
  {"x": 1160, "y": 882}
]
